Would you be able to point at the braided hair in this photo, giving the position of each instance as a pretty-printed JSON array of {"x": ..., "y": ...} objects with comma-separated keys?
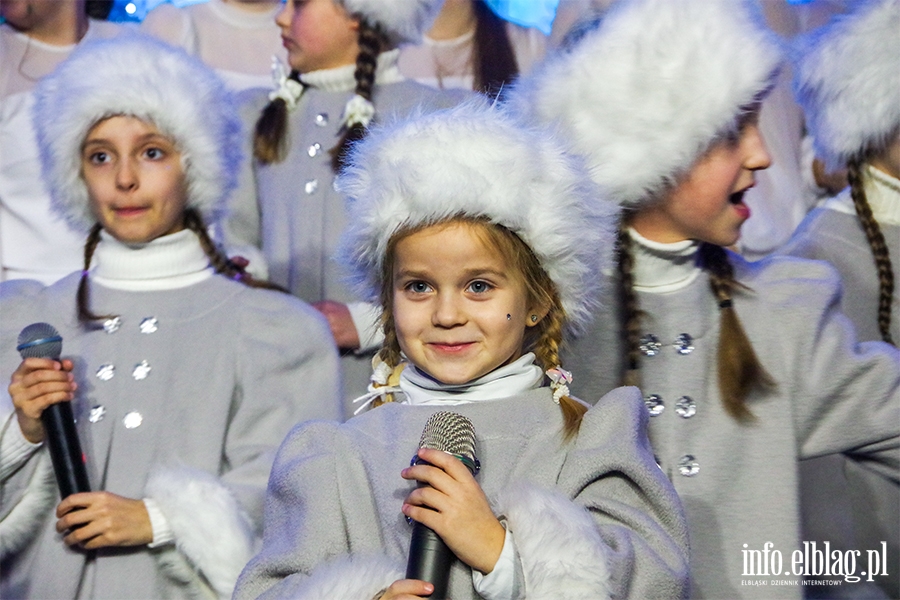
[
  {"x": 880, "y": 252},
  {"x": 193, "y": 221},
  {"x": 739, "y": 369},
  {"x": 270, "y": 140},
  {"x": 543, "y": 339}
]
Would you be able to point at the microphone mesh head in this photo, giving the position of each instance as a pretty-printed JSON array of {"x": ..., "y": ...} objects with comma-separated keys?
[
  {"x": 450, "y": 432},
  {"x": 40, "y": 340}
]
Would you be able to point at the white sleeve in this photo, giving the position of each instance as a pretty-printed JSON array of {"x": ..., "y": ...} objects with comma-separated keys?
[
  {"x": 162, "y": 531},
  {"x": 504, "y": 582}
]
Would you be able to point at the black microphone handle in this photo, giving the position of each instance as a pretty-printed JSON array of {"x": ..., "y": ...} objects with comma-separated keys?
[
  {"x": 429, "y": 559},
  {"x": 65, "y": 449}
]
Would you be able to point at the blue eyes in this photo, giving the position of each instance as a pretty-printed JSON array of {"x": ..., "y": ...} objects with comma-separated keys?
[
  {"x": 479, "y": 287},
  {"x": 476, "y": 287},
  {"x": 418, "y": 287}
]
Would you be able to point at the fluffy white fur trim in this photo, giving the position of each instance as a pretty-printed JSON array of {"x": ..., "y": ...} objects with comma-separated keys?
[
  {"x": 348, "y": 577},
  {"x": 476, "y": 160},
  {"x": 848, "y": 81},
  {"x": 137, "y": 76},
  {"x": 557, "y": 541},
  {"x": 643, "y": 95},
  {"x": 210, "y": 527},
  {"x": 404, "y": 21},
  {"x": 21, "y": 525}
]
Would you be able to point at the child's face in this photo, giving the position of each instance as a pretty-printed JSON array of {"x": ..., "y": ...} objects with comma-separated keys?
[
  {"x": 707, "y": 205},
  {"x": 451, "y": 297},
  {"x": 134, "y": 178},
  {"x": 318, "y": 34}
]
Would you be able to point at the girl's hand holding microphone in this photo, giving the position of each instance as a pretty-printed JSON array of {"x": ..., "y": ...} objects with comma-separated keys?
[
  {"x": 93, "y": 519},
  {"x": 35, "y": 385}
]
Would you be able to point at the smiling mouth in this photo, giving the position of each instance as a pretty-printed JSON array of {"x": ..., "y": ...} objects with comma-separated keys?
[{"x": 450, "y": 347}]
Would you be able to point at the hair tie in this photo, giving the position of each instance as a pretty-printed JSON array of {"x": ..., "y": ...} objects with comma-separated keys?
[
  {"x": 725, "y": 303},
  {"x": 559, "y": 378},
  {"x": 358, "y": 111},
  {"x": 286, "y": 88}
]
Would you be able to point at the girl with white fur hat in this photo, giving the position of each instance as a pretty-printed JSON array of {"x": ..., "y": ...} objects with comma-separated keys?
[
  {"x": 662, "y": 101},
  {"x": 183, "y": 377},
  {"x": 848, "y": 83},
  {"x": 483, "y": 243},
  {"x": 343, "y": 75}
]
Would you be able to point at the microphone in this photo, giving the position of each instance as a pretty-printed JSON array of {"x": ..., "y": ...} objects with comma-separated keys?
[
  {"x": 429, "y": 557},
  {"x": 41, "y": 340}
]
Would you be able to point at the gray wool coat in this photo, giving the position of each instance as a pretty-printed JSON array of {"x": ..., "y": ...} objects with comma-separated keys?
[
  {"x": 837, "y": 237},
  {"x": 184, "y": 402},
  {"x": 591, "y": 519},
  {"x": 291, "y": 210},
  {"x": 739, "y": 482}
]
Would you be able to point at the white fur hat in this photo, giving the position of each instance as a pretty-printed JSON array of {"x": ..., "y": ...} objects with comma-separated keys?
[
  {"x": 477, "y": 160},
  {"x": 643, "y": 95},
  {"x": 848, "y": 81},
  {"x": 404, "y": 21},
  {"x": 137, "y": 76}
]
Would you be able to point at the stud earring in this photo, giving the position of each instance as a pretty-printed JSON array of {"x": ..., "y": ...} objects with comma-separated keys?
[
  {"x": 534, "y": 318},
  {"x": 508, "y": 317}
]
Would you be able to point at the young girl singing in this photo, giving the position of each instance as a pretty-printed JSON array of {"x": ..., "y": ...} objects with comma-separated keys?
[
  {"x": 343, "y": 60},
  {"x": 848, "y": 84},
  {"x": 745, "y": 367},
  {"x": 483, "y": 244},
  {"x": 182, "y": 376}
]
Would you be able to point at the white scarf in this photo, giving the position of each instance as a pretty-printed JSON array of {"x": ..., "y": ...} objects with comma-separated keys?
[
  {"x": 518, "y": 376},
  {"x": 417, "y": 388}
]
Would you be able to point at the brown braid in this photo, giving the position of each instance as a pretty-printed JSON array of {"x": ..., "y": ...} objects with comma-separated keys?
[
  {"x": 220, "y": 262},
  {"x": 371, "y": 40},
  {"x": 546, "y": 351},
  {"x": 270, "y": 138},
  {"x": 879, "y": 248},
  {"x": 630, "y": 311},
  {"x": 83, "y": 296},
  {"x": 739, "y": 368}
]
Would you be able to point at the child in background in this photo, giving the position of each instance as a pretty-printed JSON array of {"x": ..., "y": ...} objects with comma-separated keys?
[
  {"x": 471, "y": 47},
  {"x": 483, "y": 243},
  {"x": 183, "y": 381},
  {"x": 848, "y": 82},
  {"x": 343, "y": 75},
  {"x": 662, "y": 102},
  {"x": 237, "y": 38},
  {"x": 35, "y": 36}
]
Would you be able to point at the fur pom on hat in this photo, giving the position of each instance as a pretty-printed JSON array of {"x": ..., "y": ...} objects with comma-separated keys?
[
  {"x": 476, "y": 160},
  {"x": 404, "y": 21},
  {"x": 646, "y": 93},
  {"x": 137, "y": 76},
  {"x": 848, "y": 82}
]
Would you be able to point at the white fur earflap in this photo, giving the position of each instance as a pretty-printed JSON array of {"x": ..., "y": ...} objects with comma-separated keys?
[
  {"x": 643, "y": 95},
  {"x": 209, "y": 525},
  {"x": 848, "y": 82},
  {"x": 476, "y": 160},
  {"x": 556, "y": 541},
  {"x": 137, "y": 76},
  {"x": 404, "y": 21}
]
